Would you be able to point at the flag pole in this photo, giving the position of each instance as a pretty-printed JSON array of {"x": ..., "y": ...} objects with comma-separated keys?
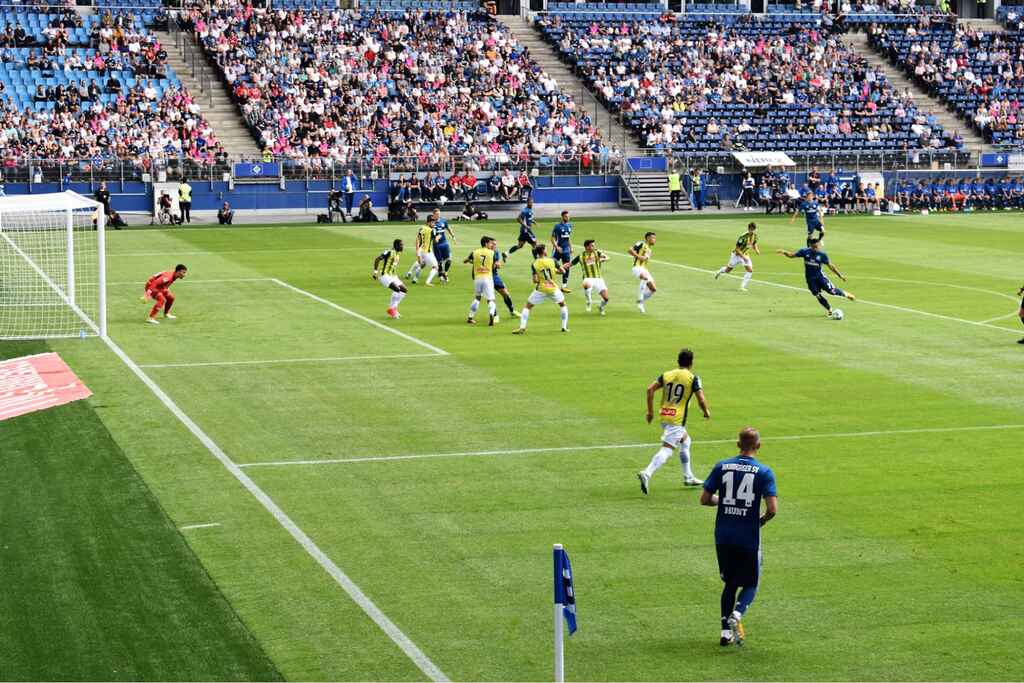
[{"x": 559, "y": 628}]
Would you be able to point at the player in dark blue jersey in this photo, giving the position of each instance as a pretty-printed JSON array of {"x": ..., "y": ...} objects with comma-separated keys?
[
  {"x": 442, "y": 250},
  {"x": 814, "y": 258},
  {"x": 499, "y": 285},
  {"x": 736, "y": 488},
  {"x": 526, "y": 235},
  {"x": 561, "y": 247},
  {"x": 811, "y": 210}
]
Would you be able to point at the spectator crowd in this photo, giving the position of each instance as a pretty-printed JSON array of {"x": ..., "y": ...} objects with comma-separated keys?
[
  {"x": 744, "y": 85},
  {"x": 979, "y": 73},
  {"x": 93, "y": 113},
  {"x": 421, "y": 86}
]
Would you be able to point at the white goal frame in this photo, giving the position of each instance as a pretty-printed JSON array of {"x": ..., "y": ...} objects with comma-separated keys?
[{"x": 68, "y": 203}]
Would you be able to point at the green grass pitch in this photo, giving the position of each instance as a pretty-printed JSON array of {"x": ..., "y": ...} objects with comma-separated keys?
[{"x": 894, "y": 435}]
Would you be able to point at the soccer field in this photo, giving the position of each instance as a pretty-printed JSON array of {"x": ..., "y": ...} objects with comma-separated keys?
[{"x": 376, "y": 499}]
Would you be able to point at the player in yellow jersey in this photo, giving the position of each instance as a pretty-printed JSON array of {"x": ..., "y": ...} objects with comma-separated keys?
[
  {"x": 677, "y": 386},
  {"x": 424, "y": 254},
  {"x": 545, "y": 289},
  {"x": 385, "y": 266},
  {"x": 482, "y": 260},
  {"x": 590, "y": 263},
  {"x": 741, "y": 254},
  {"x": 641, "y": 253}
]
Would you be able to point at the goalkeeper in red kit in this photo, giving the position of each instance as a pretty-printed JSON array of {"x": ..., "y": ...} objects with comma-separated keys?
[{"x": 158, "y": 288}]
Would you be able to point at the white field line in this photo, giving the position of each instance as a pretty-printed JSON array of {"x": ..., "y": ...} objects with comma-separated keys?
[
  {"x": 879, "y": 304},
  {"x": 187, "y": 527},
  {"x": 403, "y": 335},
  {"x": 215, "y": 252},
  {"x": 142, "y": 283},
  {"x": 330, "y": 359},
  {"x": 607, "y": 447},
  {"x": 1002, "y": 317},
  {"x": 910, "y": 282},
  {"x": 429, "y": 669}
]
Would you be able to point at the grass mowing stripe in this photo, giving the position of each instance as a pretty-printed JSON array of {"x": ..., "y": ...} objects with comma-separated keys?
[
  {"x": 195, "y": 282},
  {"x": 606, "y": 447},
  {"x": 329, "y": 359},
  {"x": 410, "y": 649},
  {"x": 439, "y": 351},
  {"x": 98, "y": 584},
  {"x": 903, "y": 309},
  {"x": 217, "y": 252}
]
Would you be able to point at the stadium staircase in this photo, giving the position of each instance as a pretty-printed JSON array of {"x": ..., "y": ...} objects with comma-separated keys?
[
  {"x": 947, "y": 117},
  {"x": 189, "y": 63},
  {"x": 614, "y": 134},
  {"x": 649, "y": 192}
]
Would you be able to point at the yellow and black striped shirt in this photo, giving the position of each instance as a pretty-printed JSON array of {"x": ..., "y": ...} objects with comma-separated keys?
[
  {"x": 389, "y": 262},
  {"x": 746, "y": 242},
  {"x": 643, "y": 250},
  {"x": 590, "y": 262}
]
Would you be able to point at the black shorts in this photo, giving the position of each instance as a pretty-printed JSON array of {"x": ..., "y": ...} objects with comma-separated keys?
[
  {"x": 739, "y": 565},
  {"x": 527, "y": 237}
]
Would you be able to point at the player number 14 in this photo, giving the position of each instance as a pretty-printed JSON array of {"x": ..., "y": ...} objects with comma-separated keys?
[{"x": 745, "y": 492}]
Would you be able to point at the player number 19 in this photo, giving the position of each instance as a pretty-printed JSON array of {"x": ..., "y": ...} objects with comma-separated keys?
[
  {"x": 745, "y": 492},
  {"x": 674, "y": 392}
]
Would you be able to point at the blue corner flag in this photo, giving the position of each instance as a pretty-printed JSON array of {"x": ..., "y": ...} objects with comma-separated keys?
[{"x": 564, "y": 593}]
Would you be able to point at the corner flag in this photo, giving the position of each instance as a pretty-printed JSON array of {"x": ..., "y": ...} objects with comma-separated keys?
[{"x": 564, "y": 594}]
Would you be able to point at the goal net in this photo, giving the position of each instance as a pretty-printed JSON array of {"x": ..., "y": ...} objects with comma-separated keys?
[{"x": 52, "y": 267}]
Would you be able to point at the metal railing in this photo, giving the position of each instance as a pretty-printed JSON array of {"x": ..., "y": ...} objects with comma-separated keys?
[{"x": 65, "y": 171}]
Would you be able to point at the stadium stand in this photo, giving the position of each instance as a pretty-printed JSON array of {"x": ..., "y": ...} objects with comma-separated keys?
[
  {"x": 979, "y": 74},
  {"x": 414, "y": 89},
  {"x": 734, "y": 82},
  {"x": 93, "y": 89}
]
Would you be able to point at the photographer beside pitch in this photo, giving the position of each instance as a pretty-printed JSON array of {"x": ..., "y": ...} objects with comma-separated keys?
[{"x": 736, "y": 487}]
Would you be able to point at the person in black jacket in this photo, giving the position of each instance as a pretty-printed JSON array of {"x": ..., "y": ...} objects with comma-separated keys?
[{"x": 102, "y": 195}]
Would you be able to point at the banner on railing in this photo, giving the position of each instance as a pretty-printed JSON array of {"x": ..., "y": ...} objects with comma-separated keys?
[
  {"x": 761, "y": 159},
  {"x": 267, "y": 169},
  {"x": 1009, "y": 160},
  {"x": 647, "y": 163}
]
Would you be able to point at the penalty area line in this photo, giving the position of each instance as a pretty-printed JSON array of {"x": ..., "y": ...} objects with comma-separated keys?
[
  {"x": 609, "y": 447},
  {"x": 397, "y": 636},
  {"x": 408, "y": 337},
  {"x": 1001, "y": 317},
  {"x": 188, "y": 527},
  {"x": 867, "y": 302}
]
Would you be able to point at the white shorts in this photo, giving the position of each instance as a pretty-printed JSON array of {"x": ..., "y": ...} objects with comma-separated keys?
[
  {"x": 538, "y": 297},
  {"x": 737, "y": 260},
  {"x": 388, "y": 280},
  {"x": 426, "y": 258},
  {"x": 641, "y": 273},
  {"x": 596, "y": 282},
  {"x": 484, "y": 289},
  {"x": 673, "y": 434}
]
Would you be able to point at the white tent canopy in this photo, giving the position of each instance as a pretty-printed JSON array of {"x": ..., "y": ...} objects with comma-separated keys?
[
  {"x": 762, "y": 159},
  {"x": 56, "y": 201}
]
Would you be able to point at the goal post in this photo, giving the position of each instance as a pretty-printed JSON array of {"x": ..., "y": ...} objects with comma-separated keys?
[{"x": 52, "y": 267}]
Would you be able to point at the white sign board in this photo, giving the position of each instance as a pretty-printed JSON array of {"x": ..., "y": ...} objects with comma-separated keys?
[{"x": 761, "y": 159}]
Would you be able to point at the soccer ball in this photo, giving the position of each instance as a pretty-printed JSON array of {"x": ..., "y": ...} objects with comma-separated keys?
[{"x": 837, "y": 314}]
